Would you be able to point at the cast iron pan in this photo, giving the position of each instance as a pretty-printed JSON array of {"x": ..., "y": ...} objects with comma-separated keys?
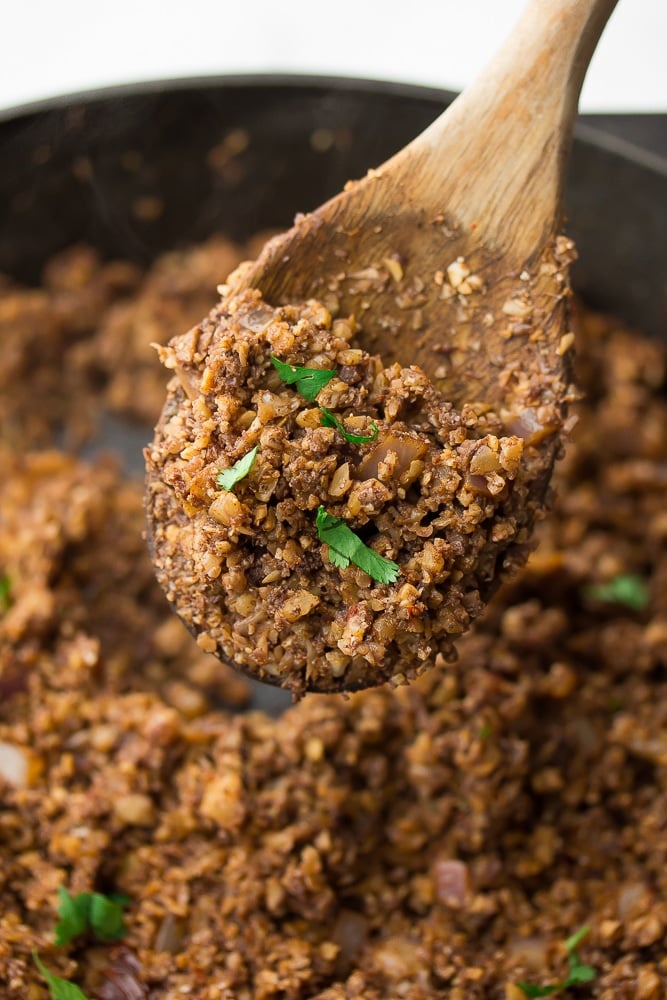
[
  {"x": 139, "y": 170},
  {"x": 78, "y": 168}
]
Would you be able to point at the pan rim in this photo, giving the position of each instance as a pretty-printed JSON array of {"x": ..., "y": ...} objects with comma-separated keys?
[{"x": 586, "y": 130}]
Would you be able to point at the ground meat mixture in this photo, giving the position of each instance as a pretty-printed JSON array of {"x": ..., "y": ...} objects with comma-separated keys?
[
  {"x": 86, "y": 334},
  {"x": 438, "y": 841},
  {"x": 428, "y": 487}
]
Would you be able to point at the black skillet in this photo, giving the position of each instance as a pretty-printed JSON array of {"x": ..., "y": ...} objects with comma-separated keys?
[{"x": 77, "y": 169}]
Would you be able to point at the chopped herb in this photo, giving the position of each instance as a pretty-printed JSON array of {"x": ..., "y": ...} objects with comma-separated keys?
[
  {"x": 106, "y": 916},
  {"x": 5, "y": 593},
  {"x": 539, "y": 991},
  {"x": 60, "y": 989},
  {"x": 94, "y": 911},
  {"x": 581, "y": 974},
  {"x": 308, "y": 381},
  {"x": 73, "y": 912},
  {"x": 574, "y": 941},
  {"x": 345, "y": 547},
  {"x": 330, "y": 420},
  {"x": 578, "y": 972},
  {"x": 630, "y": 590},
  {"x": 228, "y": 478},
  {"x": 485, "y": 732}
]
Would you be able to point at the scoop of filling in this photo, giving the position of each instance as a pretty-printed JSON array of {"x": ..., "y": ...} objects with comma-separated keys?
[{"x": 335, "y": 530}]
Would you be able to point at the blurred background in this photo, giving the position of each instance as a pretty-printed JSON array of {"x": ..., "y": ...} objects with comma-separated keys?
[{"x": 60, "y": 47}]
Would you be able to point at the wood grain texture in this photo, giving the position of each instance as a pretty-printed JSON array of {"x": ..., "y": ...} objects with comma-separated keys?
[{"x": 491, "y": 168}]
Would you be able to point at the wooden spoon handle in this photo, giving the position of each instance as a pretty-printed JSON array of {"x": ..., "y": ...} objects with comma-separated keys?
[{"x": 499, "y": 152}]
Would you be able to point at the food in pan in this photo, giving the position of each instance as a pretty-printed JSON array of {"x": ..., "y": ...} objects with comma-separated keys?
[{"x": 444, "y": 839}]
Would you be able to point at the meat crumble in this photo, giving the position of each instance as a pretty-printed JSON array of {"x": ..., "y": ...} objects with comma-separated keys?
[
  {"x": 439, "y": 841},
  {"x": 86, "y": 333},
  {"x": 424, "y": 485}
]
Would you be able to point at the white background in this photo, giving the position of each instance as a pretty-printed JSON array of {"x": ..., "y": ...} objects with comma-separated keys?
[{"x": 52, "y": 47}]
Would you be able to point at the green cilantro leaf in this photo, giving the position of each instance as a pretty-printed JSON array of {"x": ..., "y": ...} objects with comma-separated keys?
[
  {"x": 73, "y": 912},
  {"x": 581, "y": 974},
  {"x": 578, "y": 972},
  {"x": 103, "y": 915},
  {"x": 575, "y": 940},
  {"x": 228, "y": 478},
  {"x": 336, "y": 559},
  {"x": 630, "y": 590},
  {"x": 5, "y": 593},
  {"x": 330, "y": 420},
  {"x": 308, "y": 381},
  {"x": 531, "y": 990},
  {"x": 120, "y": 898},
  {"x": 106, "y": 917},
  {"x": 60, "y": 989},
  {"x": 345, "y": 547}
]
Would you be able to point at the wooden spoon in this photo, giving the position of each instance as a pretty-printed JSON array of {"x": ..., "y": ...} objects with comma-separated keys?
[
  {"x": 483, "y": 182},
  {"x": 449, "y": 256}
]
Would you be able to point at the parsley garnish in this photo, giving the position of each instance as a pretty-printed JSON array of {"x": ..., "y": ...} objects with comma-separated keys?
[
  {"x": 345, "y": 547},
  {"x": 5, "y": 593},
  {"x": 228, "y": 478},
  {"x": 577, "y": 973},
  {"x": 103, "y": 915},
  {"x": 94, "y": 911},
  {"x": 630, "y": 590},
  {"x": 60, "y": 989},
  {"x": 308, "y": 381},
  {"x": 330, "y": 420}
]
